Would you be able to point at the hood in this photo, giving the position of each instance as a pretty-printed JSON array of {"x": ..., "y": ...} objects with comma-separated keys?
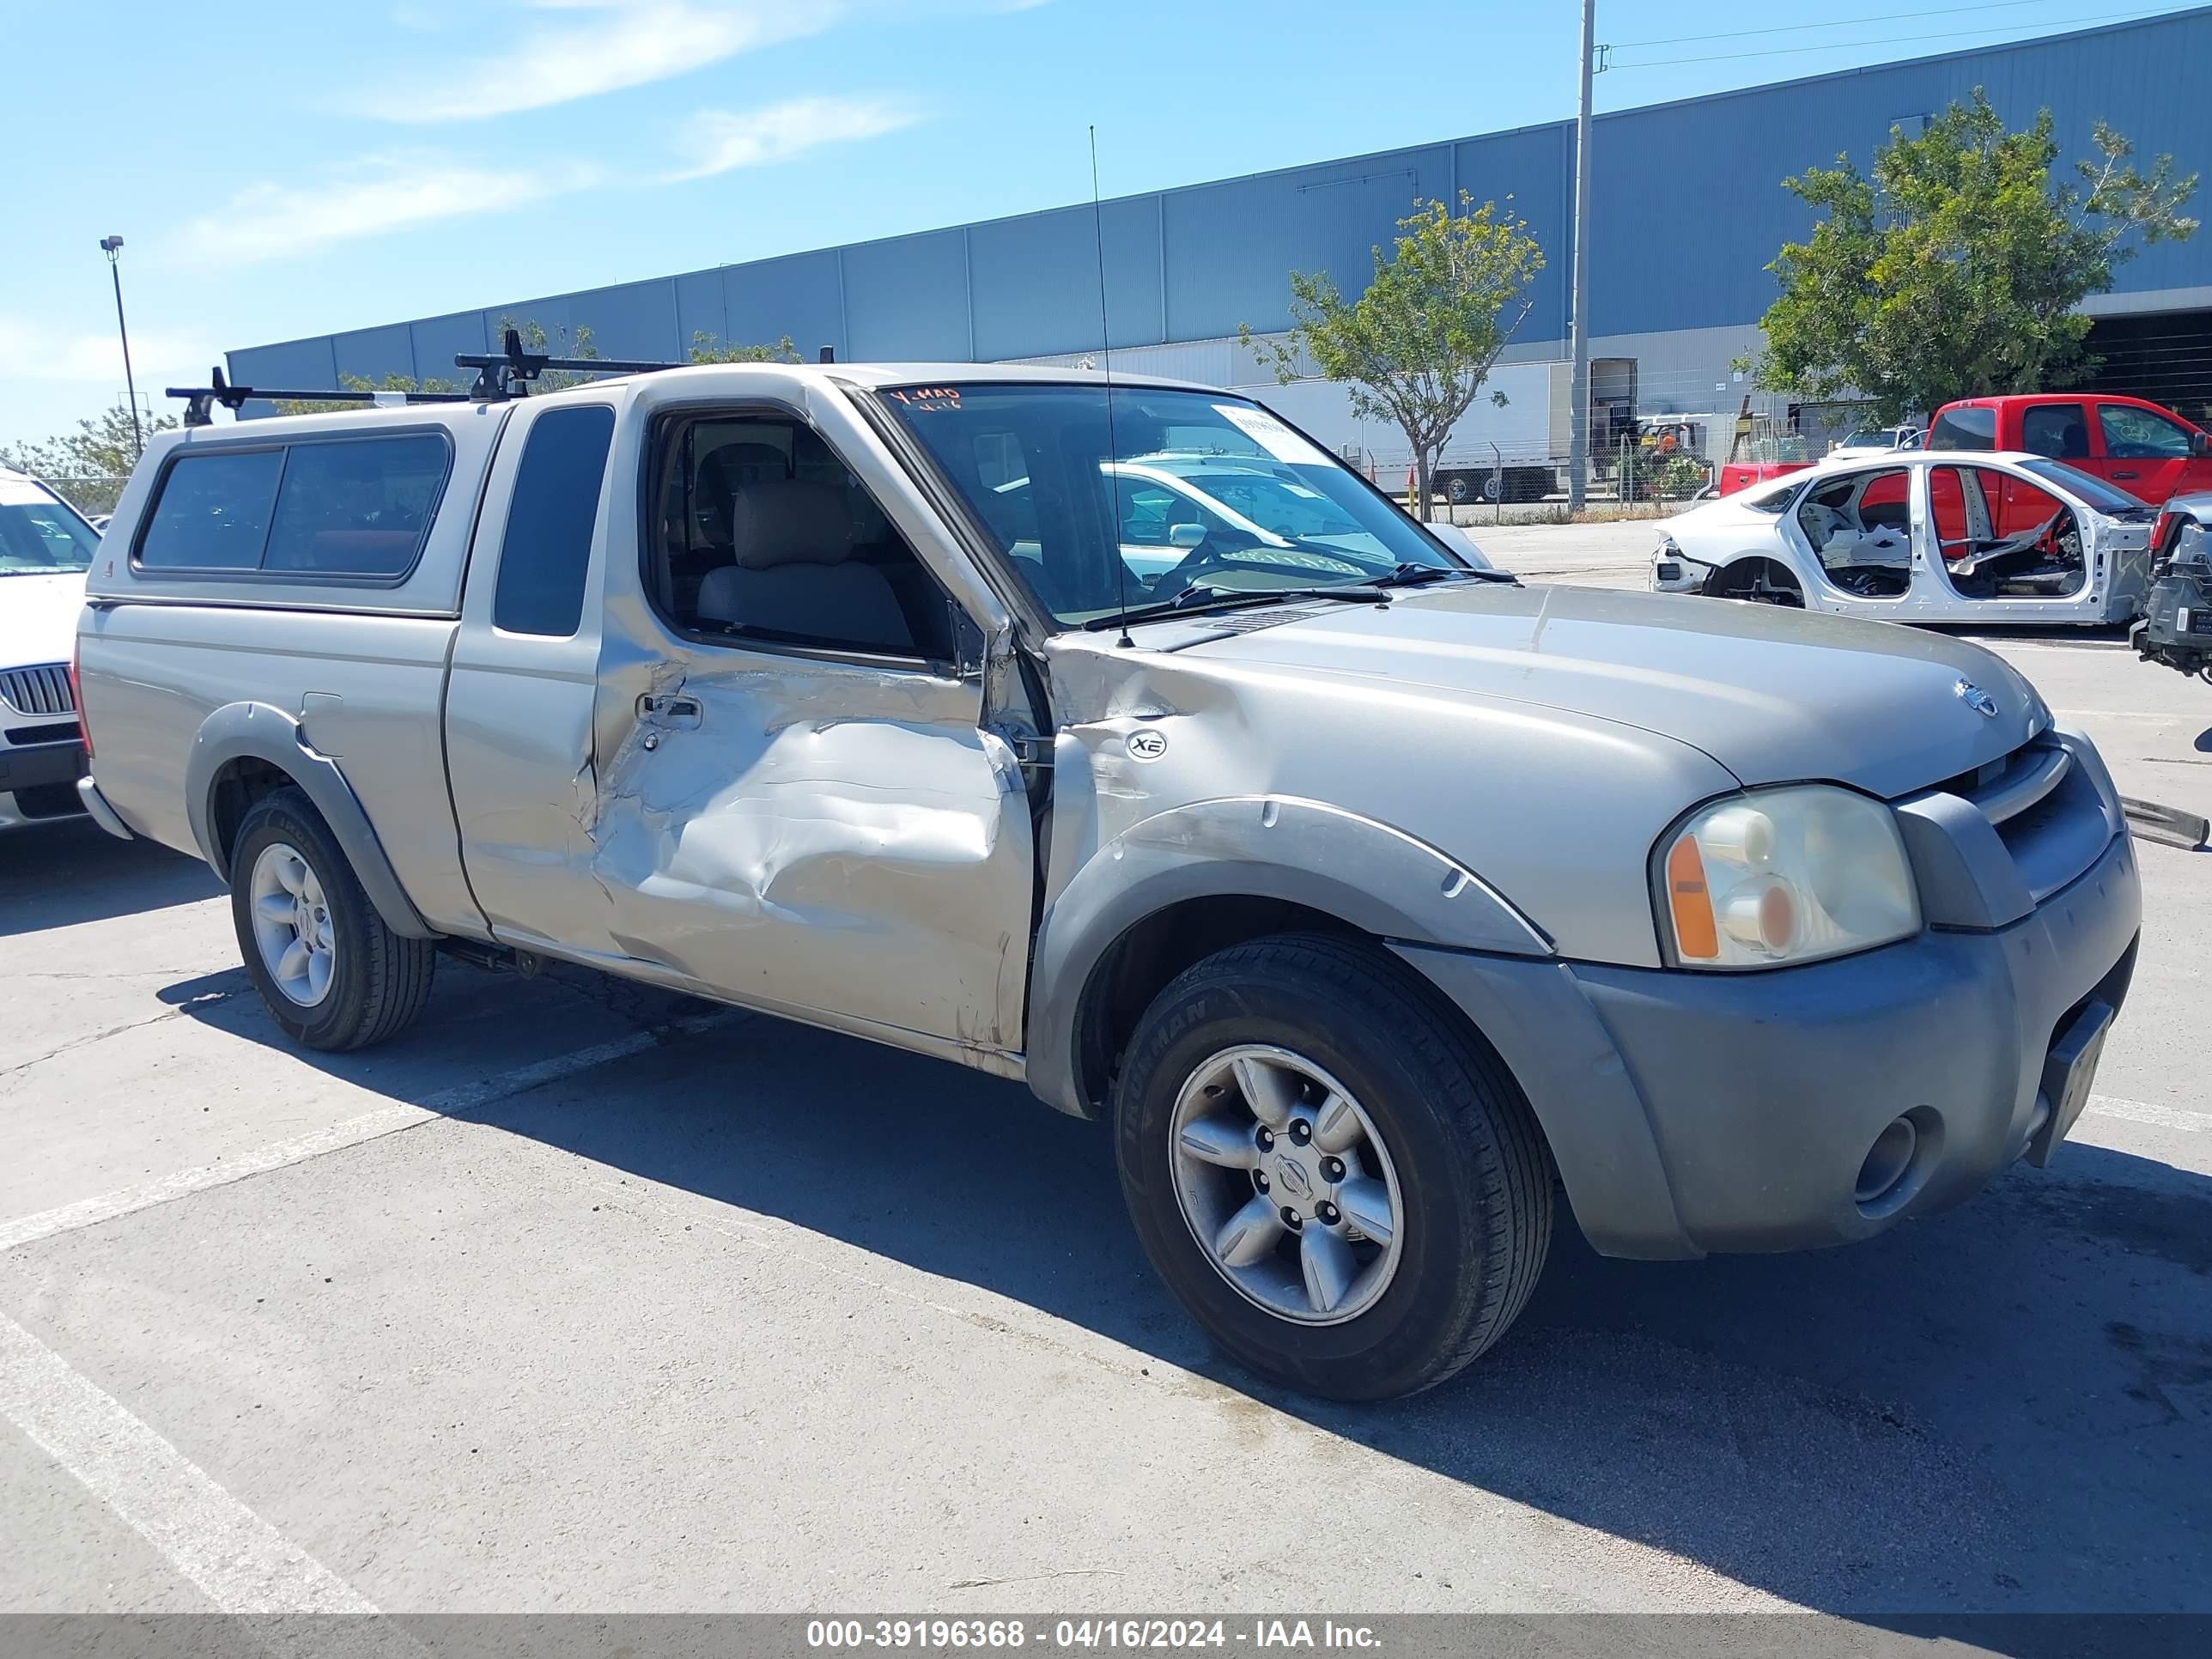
[
  {"x": 1774, "y": 696},
  {"x": 38, "y": 617}
]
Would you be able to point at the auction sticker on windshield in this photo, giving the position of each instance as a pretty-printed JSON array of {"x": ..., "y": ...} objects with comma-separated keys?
[{"x": 1271, "y": 434}]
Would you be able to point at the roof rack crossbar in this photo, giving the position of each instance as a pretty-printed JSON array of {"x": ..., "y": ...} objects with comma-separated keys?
[
  {"x": 199, "y": 409},
  {"x": 510, "y": 372}
]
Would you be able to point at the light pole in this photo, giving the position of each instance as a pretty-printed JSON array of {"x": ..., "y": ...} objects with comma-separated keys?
[
  {"x": 112, "y": 246},
  {"x": 1578, "y": 311}
]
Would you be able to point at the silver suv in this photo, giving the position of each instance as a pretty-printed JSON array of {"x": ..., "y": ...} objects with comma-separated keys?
[{"x": 1374, "y": 897}]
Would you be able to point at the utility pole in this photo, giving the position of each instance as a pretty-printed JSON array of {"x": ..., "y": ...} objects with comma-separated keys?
[
  {"x": 112, "y": 246},
  {"x": 1578, "y": 315}
]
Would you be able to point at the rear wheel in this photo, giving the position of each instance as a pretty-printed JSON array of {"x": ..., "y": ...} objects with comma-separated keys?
[
  {"x": 1762, "y": 581},
  {"x": 1343, "y": 1186},
  {"x": 332, "y": 975}
]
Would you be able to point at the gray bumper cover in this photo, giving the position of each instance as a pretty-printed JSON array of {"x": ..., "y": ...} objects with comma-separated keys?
[{"x": 1691, "y": 1113}]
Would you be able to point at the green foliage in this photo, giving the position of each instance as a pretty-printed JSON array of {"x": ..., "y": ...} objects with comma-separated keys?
[
  {"x": 705, "y": 348},
  {"x": 1955, "y": 269},
  {"x": 1418, "y": 344},
  {"x": 86, "y": 467}
]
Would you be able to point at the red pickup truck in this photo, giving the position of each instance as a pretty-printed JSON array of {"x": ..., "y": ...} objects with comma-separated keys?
[{"x": 2150, "y": 452}]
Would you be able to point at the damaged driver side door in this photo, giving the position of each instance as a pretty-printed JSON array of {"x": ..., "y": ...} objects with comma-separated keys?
[{"x": 800, "y": 806}]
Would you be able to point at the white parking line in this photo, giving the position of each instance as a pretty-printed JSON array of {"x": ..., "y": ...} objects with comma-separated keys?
[
  {"x": 234, "y": 1558},
  {"x": 2141, "y": 1111},
  {"x": 370, "y": 1126}
]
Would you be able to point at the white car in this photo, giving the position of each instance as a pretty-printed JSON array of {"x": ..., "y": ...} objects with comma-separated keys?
[
  {"x": 1913, "y": 536},
  {"x": 46, "y": 548},
  {"x": 1875, "y": 440}
]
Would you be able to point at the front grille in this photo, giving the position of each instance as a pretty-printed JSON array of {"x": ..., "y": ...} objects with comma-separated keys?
[
  {"x": 2045, "y": 809},
  {"x": 42, "y": 690}
]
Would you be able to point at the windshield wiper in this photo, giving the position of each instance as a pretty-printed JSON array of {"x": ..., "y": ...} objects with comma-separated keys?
[
  {"x": 1201, "y": 597},
  {"x": 1409, "y": 575}
]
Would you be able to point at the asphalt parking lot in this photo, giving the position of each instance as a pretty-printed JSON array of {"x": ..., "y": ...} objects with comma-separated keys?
[{"x": 579, "y": 1297}]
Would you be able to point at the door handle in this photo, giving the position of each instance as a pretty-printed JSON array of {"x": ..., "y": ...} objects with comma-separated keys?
[
  {"x": 2116, "y": 474},
  {"x": 671, "y": 710}
]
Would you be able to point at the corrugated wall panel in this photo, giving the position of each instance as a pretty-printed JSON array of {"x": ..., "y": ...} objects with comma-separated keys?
[
  {"x": 635, "y": 320},
  {"x": 797, "y": 295},
  {"x": 1036, "y": 279},
  {"x": 699, "y": 307},
  {"x": 908, "y": 298},
  {"x": 438, "y": 338},
  {"x": 1230, "y": 246},
  {"x": 1534, "y": 169},
  {"x": 291, "y": 364},
  {"x": 374, "y": 353}
]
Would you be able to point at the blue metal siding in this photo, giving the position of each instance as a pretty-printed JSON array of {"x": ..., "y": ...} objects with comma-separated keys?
[
  {"x": 801, "y": 294},
  {"x": 374, "y": 353},
  {"x": 438, "y": 338},
  {"x": 908, "y": 298},
  {"x": 1687, "y": 203},
  {"x": 1688, "y": 209},
  {"x": 292, "y": 365},
  {"x": 1035, "y": 280}
]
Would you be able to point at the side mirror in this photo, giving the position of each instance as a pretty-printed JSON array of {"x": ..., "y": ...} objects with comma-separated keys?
[
  {"x": 1186, "y": 535},
  {"x": 2200, "y": 445}
]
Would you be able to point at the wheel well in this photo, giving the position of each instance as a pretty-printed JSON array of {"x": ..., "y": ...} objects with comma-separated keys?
[
  {"x": 1748, "y": 568},
  {"x": 1138, "y": 966},
  {"x": 237, "y": 787}
]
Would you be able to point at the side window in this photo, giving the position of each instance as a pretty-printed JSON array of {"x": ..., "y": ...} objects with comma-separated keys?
[
  {"x": 2057, "y": 430},
  {"x": 2137, "y": 434},
  {"x": 213, "y": 512},
  {"x": 546, "y": 551},
  {"x": 1964, "y": 428},
  {"x": 1148, "y": 512},
  {"x": 767, "y": 538},
  {"x": 357, "y": 508},
  {"x": 349, "y": 507}
]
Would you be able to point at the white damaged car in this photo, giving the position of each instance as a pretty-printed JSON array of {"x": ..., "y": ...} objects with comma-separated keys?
[
  {"x": 46, "y": 548},
  {"x": 1915, "y": 536}
]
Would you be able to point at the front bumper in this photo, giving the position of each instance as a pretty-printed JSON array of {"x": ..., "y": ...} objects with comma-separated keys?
[
  {"x": 38, "y": 781},
  {"x": 1691, "y": 1113}
]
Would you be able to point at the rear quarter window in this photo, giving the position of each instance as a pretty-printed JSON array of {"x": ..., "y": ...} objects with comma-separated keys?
[
  {"x": 346, "y": 509},
  {"x": 1964, "y": 428}
]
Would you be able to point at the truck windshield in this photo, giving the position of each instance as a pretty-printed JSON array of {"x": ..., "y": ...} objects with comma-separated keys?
[
  {"x": 1171, "y": 495},
  {"x": 39, "y": 536}
]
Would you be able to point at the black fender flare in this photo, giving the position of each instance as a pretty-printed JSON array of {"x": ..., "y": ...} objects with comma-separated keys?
[
  {"x": 1378, "y": 879},
  {"x": 260, "y": 730}
]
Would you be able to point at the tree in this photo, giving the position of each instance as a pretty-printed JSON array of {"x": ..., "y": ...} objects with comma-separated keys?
[
  {"x": 88, "y": 467},
  {"x": 705, "y": 348},
  {"x": 1956, "y": 269},
  {"x": 1418, "y": 343}
]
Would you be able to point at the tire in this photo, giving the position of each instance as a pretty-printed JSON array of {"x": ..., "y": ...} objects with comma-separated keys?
[
  {"x": 1468, "y": 1171},
  {"x": 373, "y": 983},
  {"x": 1456, "y": 492}
]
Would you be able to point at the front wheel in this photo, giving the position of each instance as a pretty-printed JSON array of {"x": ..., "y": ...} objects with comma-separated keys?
[
  {"x": 1342, "y": 1185},
  {"x": 332, "y": 975}
]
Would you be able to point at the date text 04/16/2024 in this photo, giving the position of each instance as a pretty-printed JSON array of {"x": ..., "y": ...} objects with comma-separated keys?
[{"x": 1086, "y": 1634}]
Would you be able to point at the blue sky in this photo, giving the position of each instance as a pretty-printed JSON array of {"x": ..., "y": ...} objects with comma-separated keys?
[{"x": 286, "y": 168}]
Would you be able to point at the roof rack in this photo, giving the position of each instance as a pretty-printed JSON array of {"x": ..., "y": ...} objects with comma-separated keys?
[
  {"x": 199, "y": 410},
  {"x": 510, "y": 373}
]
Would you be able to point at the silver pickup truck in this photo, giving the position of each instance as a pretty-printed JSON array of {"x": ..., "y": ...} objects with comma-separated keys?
[{"x": 1121, "y": 741}]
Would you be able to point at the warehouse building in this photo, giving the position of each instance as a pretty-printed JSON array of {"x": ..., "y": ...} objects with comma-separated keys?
[{"x": 1686, "y": 211}]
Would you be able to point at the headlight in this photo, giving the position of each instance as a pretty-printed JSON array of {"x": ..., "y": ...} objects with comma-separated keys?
[{"x": 1784, "y": 875}]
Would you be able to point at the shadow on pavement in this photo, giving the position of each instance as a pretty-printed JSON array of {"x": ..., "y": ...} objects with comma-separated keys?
[
  {"x": 2005, "y": 1408},
  {"x": 55, "y": 875}
]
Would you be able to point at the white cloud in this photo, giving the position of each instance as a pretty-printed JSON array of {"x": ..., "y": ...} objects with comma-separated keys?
[
  {"x": 619, "y": 43},
  {"x": 716, "y": 140},
  {"x": 35, "y": 354},
  {"x": 380, "y": 194}
]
